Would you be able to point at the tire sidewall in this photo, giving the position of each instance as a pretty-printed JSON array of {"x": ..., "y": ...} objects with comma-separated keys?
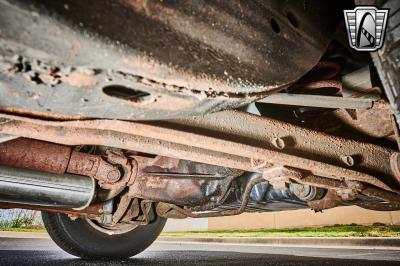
[{"x": 79, "y": 238}]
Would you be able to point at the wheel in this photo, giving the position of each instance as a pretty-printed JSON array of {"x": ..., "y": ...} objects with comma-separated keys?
[
  {"x": 387, "y": 59},
  {"x": 86, "y": 239}
]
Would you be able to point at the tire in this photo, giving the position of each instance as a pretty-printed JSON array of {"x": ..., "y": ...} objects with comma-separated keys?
[
  {"x": 387, "y": 59},
  {"x": 81, "y": 239}
]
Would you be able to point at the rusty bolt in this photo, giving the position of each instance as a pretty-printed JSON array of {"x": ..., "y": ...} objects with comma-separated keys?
[
  {"x": 278, "y": 143},
  {"x": 348, "y": 160},
  {"x": 113, "y": 176}
]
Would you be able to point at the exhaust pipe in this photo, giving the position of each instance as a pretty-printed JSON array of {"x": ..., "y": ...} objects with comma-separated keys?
[{"x": 24, "y": 186}]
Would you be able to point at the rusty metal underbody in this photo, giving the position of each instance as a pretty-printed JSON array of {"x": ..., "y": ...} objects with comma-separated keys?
[
  {"x": 193, "y": 174},
  {"x": 74, "y": 76},
  {"x": 129, "y": 59},
  {"x": 230, "y": 139}
]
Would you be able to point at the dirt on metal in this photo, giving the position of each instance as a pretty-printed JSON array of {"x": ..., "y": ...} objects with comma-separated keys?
[{"x": 313, "y": 147}]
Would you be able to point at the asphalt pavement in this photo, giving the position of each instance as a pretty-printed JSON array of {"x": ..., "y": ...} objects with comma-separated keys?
[{"x": 42, "y": 251}]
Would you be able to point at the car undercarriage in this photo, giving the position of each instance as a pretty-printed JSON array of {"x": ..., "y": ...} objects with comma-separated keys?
[{"x": 123, "y": 113}]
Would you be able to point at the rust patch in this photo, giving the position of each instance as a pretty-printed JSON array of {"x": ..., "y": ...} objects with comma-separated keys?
[
  {"x": 55, "y": 158},
  {"x": 35, "y": 155},
  {"x": 375, "y": 122},
  {"x": 32, "y": 113},
  {"x": 93, "y": 166}
]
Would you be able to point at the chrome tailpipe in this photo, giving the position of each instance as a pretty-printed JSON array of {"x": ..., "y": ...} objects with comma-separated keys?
[{"x": 23, "y": 186}]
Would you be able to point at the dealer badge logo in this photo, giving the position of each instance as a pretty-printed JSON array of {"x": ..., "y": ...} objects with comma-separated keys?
[{"x": 366, "y": 27}]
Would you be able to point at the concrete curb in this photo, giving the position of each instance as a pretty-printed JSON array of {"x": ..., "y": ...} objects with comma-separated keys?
[{"x": 294, "y": 241}]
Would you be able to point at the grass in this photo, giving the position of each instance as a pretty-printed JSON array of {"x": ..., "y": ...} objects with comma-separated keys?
[
  {"x": 15, "y": 229},
  {"x": 352, "y": 230}
]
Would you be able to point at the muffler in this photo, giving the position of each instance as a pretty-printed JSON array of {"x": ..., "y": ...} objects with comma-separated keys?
[{"x": 24, "y": 186}]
